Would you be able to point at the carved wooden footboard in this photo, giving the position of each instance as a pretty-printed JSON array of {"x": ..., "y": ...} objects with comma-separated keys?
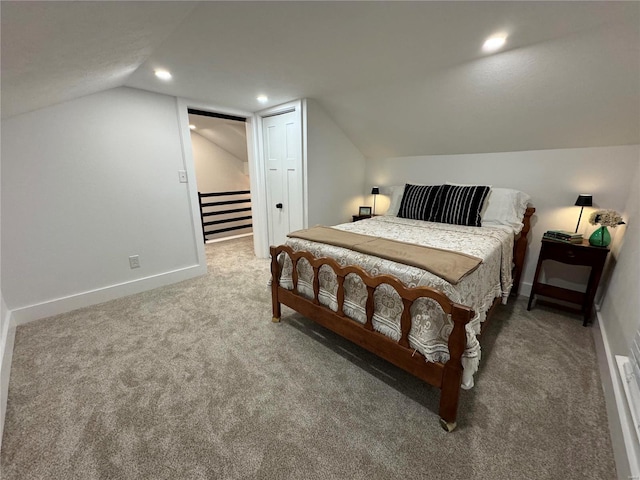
[{"x": 447, "y": 377}]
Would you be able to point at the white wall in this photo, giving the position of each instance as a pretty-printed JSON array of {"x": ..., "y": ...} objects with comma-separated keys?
[
  {"x": 86, "y": 184},
  {"x": 7, "y": 335},
  {"x": 621, "y": 303},
  {"x": 216, "y": 169},
  {"x": 618, "y": 319},
  {"x": 335, "y": 170},
  {"x": 553, "y": 178}
]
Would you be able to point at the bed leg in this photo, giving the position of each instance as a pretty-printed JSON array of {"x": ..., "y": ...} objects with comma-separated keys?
[
  {"x": 275, "y": 303},
  {"x": 275, "y": 283},
  {"x": 452, "y": 375},
  {"x": 448, "y": 426},
  {"x": 449, "y": 396}
]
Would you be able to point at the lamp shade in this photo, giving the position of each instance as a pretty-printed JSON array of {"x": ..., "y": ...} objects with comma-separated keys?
[
  {"x": 584, "y": 200},
  {"x": 375, "y": 191}
]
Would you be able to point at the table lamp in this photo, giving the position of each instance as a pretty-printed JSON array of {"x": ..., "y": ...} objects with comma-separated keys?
[
  {"x": 375, "y": 191},
  {"x": 584, "y": 200}
]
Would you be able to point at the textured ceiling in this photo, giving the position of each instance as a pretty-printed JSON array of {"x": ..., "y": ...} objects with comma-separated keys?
[
  {"x": 400, "y": 78},
  {"x": 57, "y": 51}
]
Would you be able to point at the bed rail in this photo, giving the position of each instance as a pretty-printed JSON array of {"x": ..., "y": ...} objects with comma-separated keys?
[{"x": 447, "y": 377}]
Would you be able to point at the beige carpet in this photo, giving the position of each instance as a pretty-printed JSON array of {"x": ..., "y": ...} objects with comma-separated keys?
[{"x": 193, "y": 381}]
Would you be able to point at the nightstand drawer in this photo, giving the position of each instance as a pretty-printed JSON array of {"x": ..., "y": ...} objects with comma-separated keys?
[{"x": 568, "y": 253}]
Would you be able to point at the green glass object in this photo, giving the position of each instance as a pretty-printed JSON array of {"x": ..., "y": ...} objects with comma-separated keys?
[{"x": 600, "y": 237}]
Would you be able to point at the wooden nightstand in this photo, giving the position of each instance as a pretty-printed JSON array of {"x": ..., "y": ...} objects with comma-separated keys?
[
  {"x": 361, "y": 217},
  {"x": 572, "y": 254}
]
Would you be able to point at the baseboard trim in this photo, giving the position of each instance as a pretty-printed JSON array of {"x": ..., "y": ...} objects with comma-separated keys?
[
  {"x": 30, "y": 313},
  {"x": 620, "y": 422},
  {"x": 6, "y": 356},
  {"x": 232, "y": 237},
  {"x": 525, "y": 289}
]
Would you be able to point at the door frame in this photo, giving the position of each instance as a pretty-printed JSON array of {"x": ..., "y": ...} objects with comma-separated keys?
[
  {"x": 182, "y": 107},
  {"x": 258, "y": 173}
]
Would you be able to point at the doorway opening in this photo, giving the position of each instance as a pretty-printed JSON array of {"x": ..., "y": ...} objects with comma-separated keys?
[{"x": 219, "y": 143}]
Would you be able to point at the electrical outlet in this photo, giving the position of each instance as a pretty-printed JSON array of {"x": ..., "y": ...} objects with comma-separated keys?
[
  {"x": 134, "y": 261},
  {"x": 182, "y": 175}
]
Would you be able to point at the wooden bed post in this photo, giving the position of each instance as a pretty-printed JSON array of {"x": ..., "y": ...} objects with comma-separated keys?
[
  {"x": 452, "y": 375},
  {"x": 520, "y": 249},
  {"x": 275, "y": 283}
]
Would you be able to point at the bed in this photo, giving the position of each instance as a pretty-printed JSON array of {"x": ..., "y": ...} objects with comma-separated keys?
[{"x": 416, "y": 286}]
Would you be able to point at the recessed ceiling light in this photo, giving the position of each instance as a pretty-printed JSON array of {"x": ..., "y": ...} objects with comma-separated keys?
[
  {"x": 163, "y": 74},
  {"x": 494, "y": 42},
  {"x": 262, "y": 98},
  {"x": 192, "y": 126}
]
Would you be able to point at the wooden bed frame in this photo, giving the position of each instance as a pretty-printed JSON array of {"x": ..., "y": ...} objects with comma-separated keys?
[{"x": 445, "y": 376}]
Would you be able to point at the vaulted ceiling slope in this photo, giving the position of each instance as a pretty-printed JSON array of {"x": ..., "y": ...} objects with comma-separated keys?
[{"x": 400, "y": 78}]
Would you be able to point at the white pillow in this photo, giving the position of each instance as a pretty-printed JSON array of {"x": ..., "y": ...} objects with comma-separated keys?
[
  {"x": 505, "y": 206},
  {"x": 395, "y": 192}
]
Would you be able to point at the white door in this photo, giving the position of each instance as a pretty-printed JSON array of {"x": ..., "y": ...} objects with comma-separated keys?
[{"x": 283, "y": 160}]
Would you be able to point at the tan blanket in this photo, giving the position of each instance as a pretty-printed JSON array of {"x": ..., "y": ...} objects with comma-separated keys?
[{"x": 449, "y": 265}]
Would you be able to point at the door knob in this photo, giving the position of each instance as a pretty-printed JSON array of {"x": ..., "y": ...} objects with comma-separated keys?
[{"x": 278, "y": 205}]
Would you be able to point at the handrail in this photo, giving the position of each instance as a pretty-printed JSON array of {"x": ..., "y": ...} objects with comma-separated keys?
[{"x": 227, "y": 211}]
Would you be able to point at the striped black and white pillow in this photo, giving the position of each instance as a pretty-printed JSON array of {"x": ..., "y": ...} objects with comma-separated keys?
[
  {"x": 461, "y": 205},
  {"x": 419, "y": 202}
]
